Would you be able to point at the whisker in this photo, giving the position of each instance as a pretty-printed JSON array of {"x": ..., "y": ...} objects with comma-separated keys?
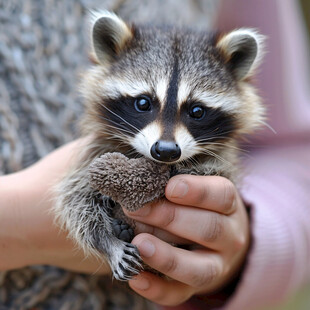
[
  {"x": 113, "y": 134},
  {"x": 224, "y": 145},
  {"x": 133, "y": 152},
  {"x": 208, "y": 152},
  {"x": 207, "y": 136},
  {"x": 110, "y": 135},
  {"x": 193, "y": 161},
  {"x": 134, "y": 127},
  {"x": 116, "y": 127},
  {"x": 268, "y": 126}
]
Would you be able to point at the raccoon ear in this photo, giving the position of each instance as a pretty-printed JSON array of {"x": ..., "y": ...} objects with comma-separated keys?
[
  {"x": 109, "y": 35},
  {"x": 243, "y": 51}
]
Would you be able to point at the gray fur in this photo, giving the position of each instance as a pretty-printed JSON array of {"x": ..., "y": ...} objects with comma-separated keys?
[
  {"x": 86, "y": 216},
  {"x": 141, "y": 64}
]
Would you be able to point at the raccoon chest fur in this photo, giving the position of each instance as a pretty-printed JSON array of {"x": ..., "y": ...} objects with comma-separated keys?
[{"x": 175, "y": 96}]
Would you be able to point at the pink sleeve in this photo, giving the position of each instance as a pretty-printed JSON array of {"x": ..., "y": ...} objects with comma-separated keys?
[
  {"x": 278, "y": 264},
  {"x": 277, "y": 182}
]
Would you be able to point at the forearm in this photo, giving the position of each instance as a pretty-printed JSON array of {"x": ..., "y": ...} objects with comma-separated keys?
[
  {"x": 22, "y": 235},
  {"x": 28, "y": 234},
  {"x": 12, "y": 237}
]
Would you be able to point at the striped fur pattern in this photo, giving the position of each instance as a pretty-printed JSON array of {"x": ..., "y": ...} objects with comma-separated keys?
[{"x": 154, "y": 89}]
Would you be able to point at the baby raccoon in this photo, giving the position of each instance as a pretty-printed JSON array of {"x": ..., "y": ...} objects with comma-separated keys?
[{"x": 173, "y": 95}]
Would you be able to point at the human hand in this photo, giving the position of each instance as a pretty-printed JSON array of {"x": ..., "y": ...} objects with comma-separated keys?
[
  {"x": 202, "y": 210},
  {"x": 28, "y": 234}
]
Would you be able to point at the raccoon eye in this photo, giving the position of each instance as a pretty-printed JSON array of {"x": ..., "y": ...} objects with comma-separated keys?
[
  {"x": 197, "y": 112},
  {"x": 143, "y": 104}
]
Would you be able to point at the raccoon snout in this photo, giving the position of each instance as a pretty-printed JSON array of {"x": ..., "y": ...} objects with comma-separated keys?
[{"x": 166, "y": 151}]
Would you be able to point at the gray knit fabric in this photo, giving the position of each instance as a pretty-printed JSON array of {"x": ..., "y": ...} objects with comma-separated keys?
[{"x": 43, "y": 48}]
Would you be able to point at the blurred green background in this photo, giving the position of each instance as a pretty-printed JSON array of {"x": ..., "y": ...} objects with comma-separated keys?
[{"x": 305, "y": 4}]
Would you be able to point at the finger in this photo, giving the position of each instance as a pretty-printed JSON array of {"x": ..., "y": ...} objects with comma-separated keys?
[
  {"x": 194, "y": 268},
  {"x": 159, "y": 290},
  {"x": 213, "y": 193},
  {"x": 209, "y": 229},
  {"x": 159, "y": 233}
]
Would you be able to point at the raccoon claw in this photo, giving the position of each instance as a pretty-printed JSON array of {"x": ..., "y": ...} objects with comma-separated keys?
[
  {"x": 122, "y": 230},
  {"x": 129, "y": 264}
]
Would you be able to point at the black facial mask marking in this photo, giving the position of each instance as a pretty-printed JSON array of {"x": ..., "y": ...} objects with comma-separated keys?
[
  {"x": 122, "y": 114},
  {"x": 213, "y": 125}
]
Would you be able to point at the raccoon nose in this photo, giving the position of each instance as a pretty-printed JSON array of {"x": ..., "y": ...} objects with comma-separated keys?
[{"x": 166, "y": 151}]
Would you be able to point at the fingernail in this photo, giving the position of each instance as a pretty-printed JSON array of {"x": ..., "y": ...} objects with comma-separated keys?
[
  {"x": 142, "y": 212},
  {"x": 177, "y": 189},
  {"x": 146, "y": 248},
  {"x": 140, "y": 283}
]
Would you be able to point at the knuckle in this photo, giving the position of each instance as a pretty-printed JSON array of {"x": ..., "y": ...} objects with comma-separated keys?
[
  {"x": 143, "y": 228},
  {"x": 202, "y": 195},
  {"x": 239, "y": 243},
  {"x": 229, "y": 195},
  {"x": 158, "y": 295},
  {"x": 204, "y": 278},
  {"x": 167, "y": 216},
  {"x": 213, "y": 229},
  {"x": 170, "y": 266}
]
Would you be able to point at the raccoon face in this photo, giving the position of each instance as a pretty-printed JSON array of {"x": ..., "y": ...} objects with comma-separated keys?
[{"x": 171, "y": 94}]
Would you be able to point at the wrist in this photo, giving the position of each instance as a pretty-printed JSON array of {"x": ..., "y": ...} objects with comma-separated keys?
[{"x": 28, "y": 234}]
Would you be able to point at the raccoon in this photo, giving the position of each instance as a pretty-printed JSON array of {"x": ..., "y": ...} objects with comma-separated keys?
[{"x": 177, "y": 96}]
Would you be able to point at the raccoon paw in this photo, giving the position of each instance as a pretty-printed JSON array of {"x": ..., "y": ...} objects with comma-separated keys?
[
  {"x": 126, "y": 262},
  {"x": 122, "y": 230}
]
